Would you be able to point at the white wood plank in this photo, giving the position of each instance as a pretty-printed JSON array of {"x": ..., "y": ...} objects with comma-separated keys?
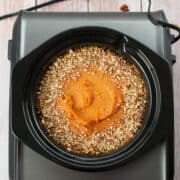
[
  {"x": 6, "y": 6},
  {"x": 65, "y": 6},
  {"x": 113, "y": 5}
]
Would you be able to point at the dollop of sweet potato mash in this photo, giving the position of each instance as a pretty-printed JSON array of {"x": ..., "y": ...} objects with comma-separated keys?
[{"x": 92, "y": 102}]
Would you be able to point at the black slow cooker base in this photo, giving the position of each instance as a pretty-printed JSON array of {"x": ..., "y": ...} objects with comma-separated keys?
[{"x": 161, "y": 133}]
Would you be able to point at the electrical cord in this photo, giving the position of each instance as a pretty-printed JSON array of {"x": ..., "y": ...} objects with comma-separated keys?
[
  {"x": 151, "y": 18},
  {"x": 30, "y": 9},
  {"x": 163, "y": 24}
]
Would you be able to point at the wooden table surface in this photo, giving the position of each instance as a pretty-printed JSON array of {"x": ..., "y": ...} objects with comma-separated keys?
[{"x": 172, "y": 10}]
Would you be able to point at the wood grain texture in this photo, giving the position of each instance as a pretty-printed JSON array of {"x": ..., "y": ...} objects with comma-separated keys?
[
  {"x": 171, "y": 8},
  {"x": 5, "y": 34},
  {"x": 65, "y": 6},
  {"x": 108, "y": 5},
  {"x": 172, "y": 11}
]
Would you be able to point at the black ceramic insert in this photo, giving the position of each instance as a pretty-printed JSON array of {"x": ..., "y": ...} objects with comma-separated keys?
[{"x": 33, "y": 135}]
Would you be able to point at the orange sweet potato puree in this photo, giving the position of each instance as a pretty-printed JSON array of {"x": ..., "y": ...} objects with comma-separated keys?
[{"x": 92, "y": 102}]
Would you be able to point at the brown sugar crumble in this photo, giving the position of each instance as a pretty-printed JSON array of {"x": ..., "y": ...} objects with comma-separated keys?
[
  {"x": 91, "y": 101},
  {"x": 124, "y": 8}
]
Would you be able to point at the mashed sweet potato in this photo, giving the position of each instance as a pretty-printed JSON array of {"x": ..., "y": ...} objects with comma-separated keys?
[{"x": 93, "y": 101}]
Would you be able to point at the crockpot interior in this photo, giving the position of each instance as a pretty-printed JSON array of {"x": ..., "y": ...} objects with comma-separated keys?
[{"x": 126, "y": 55}]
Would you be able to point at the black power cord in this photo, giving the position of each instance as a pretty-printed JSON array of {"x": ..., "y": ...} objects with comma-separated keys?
[
  {"x": 163, "y": 24},
  {"x": 151, "y": 18},
  {"x": 30, "y": 9}
]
